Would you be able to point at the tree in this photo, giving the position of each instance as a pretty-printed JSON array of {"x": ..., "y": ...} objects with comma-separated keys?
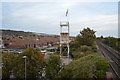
[
  {"x": 91, "y": 66},
  {"x": 8, "y": 63},
  {"x": 112, "y": 42},
  {"x": 74, "y": 46},
  {"x": 101, "y": 37},
  {"x": 118, "y": 47},
  {"x": 53, "y": 67},
  {"x": 83, "y": 41},
  {"x": 34, "y": 63},
  {"x": 87, "y": 37},
  {"x": 101, "y": 64}
]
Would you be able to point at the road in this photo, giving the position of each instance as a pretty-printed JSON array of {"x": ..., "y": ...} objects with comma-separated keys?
[{"x": 113, "y": 57}]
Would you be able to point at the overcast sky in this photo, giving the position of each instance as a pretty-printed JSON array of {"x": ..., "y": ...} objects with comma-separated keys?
[{"x": 45, "y": 17}]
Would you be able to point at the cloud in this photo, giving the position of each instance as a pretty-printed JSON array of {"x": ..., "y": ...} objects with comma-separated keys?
[
  {"x": 45, "y": 17},
  {"x": 60, "y": 0},
  {"x": 100, "y": 23},
  {"x": 68, "y": 5}
]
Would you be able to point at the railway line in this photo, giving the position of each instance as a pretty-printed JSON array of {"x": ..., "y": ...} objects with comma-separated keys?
[{"x": 113, "y": 57}]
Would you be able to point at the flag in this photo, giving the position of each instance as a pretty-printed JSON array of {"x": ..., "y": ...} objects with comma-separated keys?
[{"x": 67, "y": 12}]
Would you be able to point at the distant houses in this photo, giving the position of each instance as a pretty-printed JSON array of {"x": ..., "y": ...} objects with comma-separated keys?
[
  {"x": 30, "y": 41},
  {"x": 13, "y": 41}
]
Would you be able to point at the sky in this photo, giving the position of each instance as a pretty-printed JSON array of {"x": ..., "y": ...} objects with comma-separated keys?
[{"x": 45, "y": 17}]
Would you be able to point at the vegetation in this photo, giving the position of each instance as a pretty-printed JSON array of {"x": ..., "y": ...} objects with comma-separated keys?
[
  {"x": 34, "y": 62},
  {"x": 83, "y": 51},
  {"x": 86, "y": 37},
  {"x": 83, "y": 44},
  {"x": 53, "y": 67},
  {"x": 86, "y": 63},
  {"x": 8, "y": 65},
  {"x": 91, "y": 66},
  {"x": 15, "y": 33},
  {"x": 15, "y": 64},
  {"x": 111, "y": 41}
]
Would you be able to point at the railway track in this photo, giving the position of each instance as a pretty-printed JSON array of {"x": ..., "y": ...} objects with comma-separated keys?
[
  {"x": 113, "y": 58},
  {"x": 116, "y": 53}
]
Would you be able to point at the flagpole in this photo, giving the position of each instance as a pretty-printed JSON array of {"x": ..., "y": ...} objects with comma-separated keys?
[{"x": 67, "y": 14}]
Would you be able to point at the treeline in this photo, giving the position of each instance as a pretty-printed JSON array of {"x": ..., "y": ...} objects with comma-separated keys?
[
  {"x": 111, "y": 41},
  {"x": 37, "y": 67},
  {"x": 16, "y": 33}
]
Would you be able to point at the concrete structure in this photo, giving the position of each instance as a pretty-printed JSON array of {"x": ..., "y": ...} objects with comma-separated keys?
[{"x": 64, "y": 38}]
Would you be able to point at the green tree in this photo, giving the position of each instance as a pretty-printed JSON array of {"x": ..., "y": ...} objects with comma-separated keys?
[
  {"x": 101, "y": 64},
  {"x": 83, "y": 40},
  {"x": 8, "y": 63},
  {"x": 53, "y": 67},
  {"x": 34, "y": 63},
  {"x": 112, "y": 42},
  {"x": 91, "y": 66},
  {"x": 74, "y": 46},
  {"x": 87, "y": 37}
]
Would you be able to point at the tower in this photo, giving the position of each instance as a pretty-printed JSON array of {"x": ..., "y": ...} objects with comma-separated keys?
[{"x": 64, "y": 38}]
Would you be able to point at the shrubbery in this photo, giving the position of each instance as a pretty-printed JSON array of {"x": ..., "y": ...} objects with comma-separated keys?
[
  {"x": 78, "y": 54},
  {"x": 84, "y": 51},
  {"x": 112, "y": 42},
  {"x": 85, "y": 48},
  {"x": 91, "y": 66},
  {"x": 83, "y": 44}
]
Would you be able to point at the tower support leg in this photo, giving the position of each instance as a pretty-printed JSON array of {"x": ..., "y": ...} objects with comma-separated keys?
[
  {"x": 68, "y": 50},
  {"x": 60, "y": 50}
]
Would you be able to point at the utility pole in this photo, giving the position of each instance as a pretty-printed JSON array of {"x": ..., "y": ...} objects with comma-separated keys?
[{"x": 25, "y": 67}]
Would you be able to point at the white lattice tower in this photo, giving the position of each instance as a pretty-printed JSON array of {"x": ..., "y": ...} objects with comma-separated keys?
[{"x": 64, "y": 38}]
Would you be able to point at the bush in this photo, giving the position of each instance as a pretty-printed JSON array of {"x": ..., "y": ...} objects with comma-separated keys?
[
  {"x": 102, "y": 65},
  {"x": 78, "y": 54},
  {"x": 94, "y": 49},
  {"x": 91, "y": 66},
  {"x": 88, "y": 52},
  {"x": 85, "y": 48}
]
